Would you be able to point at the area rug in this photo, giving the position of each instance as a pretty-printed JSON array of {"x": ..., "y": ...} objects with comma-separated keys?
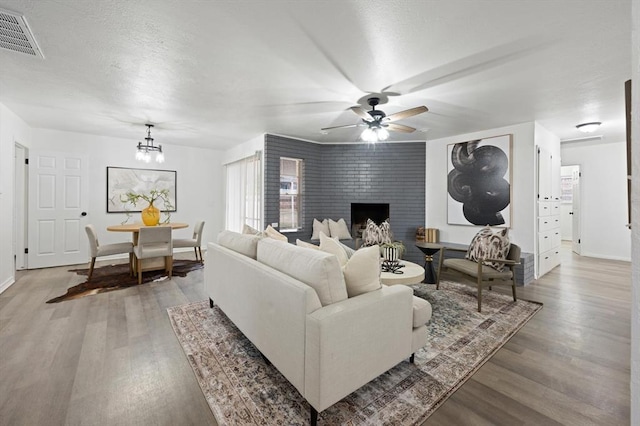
[
  {"x": 116, "y": 277},
  {"x": 242, "y": 389}
]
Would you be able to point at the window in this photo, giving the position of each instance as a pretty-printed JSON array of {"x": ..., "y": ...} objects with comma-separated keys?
[
  {"x": 244, "y": 193},
  {"x": 291, "y": 193}
]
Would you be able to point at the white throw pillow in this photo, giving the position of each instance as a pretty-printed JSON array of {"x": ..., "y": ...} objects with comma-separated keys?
[
  {"x": 347, "y": 249},
  {"x": 305, "y": 244},
  {"x": 362, "y": 271},
  {"x": 319, "y": 227},
  {"x": 272, "y": 233},
  {"x": 246, "y": 229},
  {"x": 329, "y": 245},
  {"x": 339, "y": 229}
]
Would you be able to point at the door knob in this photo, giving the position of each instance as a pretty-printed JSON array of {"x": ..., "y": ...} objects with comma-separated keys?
[{"x": 83, "y": 214}]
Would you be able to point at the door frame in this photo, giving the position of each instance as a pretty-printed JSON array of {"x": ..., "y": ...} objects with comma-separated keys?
[{"x": 20, "y": 206}]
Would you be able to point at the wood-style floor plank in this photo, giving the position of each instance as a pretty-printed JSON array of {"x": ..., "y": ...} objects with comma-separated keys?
[{"x": 113, "y": 359}]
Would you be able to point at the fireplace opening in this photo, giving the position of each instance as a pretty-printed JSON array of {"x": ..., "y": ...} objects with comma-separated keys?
[{"x": 360, "y": 212}]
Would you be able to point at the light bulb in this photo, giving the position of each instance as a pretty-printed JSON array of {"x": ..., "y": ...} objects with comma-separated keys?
[
  {"x": 140, "y": 155},
  {"x": 160, "y": 157},
  {"x": 383, "y": 134},
  {"x": 147, "y": 157},
  {"x": 368, "y": 135}
]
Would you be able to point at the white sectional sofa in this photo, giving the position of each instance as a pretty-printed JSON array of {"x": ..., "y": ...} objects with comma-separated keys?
[{"x": 291, "y": 303}]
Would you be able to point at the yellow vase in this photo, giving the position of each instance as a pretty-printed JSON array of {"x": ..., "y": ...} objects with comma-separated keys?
[{"x": 151, "y": 215}]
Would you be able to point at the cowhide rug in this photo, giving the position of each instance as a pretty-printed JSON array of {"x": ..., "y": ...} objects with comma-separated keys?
[{"x": 116, "y": 277}]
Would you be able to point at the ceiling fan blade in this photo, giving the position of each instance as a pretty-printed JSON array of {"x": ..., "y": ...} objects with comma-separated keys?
[
  {"x": 406, "y": 113},
  {"x": 340, "y": 127},
  {"x": 362, "y": 113},
  {"x": 400, "y": 128}
]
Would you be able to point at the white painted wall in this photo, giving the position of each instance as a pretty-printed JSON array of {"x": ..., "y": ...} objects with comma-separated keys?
[
  {"x": 603, "y": 201},
  {"x": 199, "y": 179},
  {"x": 523, "y": 186},
  {"x": 12, "y": 129},
  {"x": 635, "y": 215},
  {"x": 243, "y": 150}
]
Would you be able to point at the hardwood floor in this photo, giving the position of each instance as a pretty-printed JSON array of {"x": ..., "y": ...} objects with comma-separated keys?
[{"x": 112, "y": 359}]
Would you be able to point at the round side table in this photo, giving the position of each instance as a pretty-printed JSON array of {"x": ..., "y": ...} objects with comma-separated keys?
[
  {"x": 429, "y": 249},
  {"x": 411, "y": 274}
]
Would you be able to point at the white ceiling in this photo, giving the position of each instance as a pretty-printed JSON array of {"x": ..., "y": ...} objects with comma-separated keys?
[{"x": 217, "y": 73}]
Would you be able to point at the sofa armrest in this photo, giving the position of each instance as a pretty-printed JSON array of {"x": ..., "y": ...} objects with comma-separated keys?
[{"x": 351, "y": 342}]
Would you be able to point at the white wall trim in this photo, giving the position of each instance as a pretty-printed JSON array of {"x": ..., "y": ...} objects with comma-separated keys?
[
  {"x": 605, "y": 256},
  {"x": 8, "y": 283}
]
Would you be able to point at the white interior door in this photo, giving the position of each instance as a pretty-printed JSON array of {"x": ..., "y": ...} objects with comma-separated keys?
[
  {"x": 58, "y": 190},
  {"x": 576, "y": 210}
]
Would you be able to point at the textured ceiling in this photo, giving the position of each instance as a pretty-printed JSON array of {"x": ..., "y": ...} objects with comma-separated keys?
[{"x": 217, "y": 73}]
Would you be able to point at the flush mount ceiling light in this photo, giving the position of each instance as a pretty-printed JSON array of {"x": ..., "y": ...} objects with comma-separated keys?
[
  {"x": 588, "y": 127},
  {"x": 145, "y": 149}
]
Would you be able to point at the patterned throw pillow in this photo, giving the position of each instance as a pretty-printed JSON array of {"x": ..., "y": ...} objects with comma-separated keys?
[
  {"x": 490, "y": 245},
  {"x": 371, "y": 234},
  {"x": 374, "y": 234},
  {"x": 386, "y": 236}
]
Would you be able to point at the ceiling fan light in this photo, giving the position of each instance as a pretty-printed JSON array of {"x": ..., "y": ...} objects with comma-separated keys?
[
  {"x": 383, "y": 134},
  {"x": 588, "y": 127},
  {"x": 368, "y": 135}
]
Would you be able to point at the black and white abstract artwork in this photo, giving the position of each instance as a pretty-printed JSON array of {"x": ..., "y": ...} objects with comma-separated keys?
[{"x": 479, "y": 182}]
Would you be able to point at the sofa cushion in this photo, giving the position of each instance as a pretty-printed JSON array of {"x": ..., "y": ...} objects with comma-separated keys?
[
  {"x": 317, "y": 269},
  {"x": 362, "y": 271},
  {"x": 240, "y": 243},
  {"x": 319, "y": 227},
  {"x": 329, "y": 245},
  {"x": 421, "y": 312},
  {"x": 339, "y": 229},
  {"x": 272, "y": 233}
]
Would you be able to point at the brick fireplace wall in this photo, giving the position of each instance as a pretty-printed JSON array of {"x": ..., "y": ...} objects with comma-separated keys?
[{"x": 338, "y": 175}]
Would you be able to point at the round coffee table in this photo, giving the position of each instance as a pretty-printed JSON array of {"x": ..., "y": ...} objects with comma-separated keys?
[{"x": 411, "y": 274}]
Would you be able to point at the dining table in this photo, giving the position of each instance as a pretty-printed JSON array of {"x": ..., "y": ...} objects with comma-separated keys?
[{"x": 151, "y": 264}]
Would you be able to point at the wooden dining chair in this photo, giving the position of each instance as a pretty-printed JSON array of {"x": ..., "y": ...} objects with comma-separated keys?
[
  {"x": 98, "y": 250},
  {"x": 154, "y": 241},
  {"x": 195, "y": 241}
]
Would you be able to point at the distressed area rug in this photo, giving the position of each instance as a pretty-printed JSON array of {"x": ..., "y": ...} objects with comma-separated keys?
[
  {"x": 116, "y": 277},
  {"x": 242, "y": 389}
]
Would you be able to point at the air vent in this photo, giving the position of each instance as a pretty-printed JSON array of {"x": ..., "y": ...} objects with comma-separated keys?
[{"x": 16, "y": 36}]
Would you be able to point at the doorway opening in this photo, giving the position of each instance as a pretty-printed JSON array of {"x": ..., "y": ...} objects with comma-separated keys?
[
  {"x": 20, "y": 209},
  {"x": 570, "y": 210}
]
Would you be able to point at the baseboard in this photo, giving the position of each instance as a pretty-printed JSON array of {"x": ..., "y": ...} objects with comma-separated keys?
[
  {"x": 604, "y": 256},
  {"x": 5, "y": 285}
]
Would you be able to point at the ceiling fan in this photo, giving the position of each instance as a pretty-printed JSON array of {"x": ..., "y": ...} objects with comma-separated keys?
[{"x": 378, "y": 123}]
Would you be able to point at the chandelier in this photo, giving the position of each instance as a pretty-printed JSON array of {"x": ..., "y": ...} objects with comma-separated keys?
[{"x": 145, "y": 149}]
